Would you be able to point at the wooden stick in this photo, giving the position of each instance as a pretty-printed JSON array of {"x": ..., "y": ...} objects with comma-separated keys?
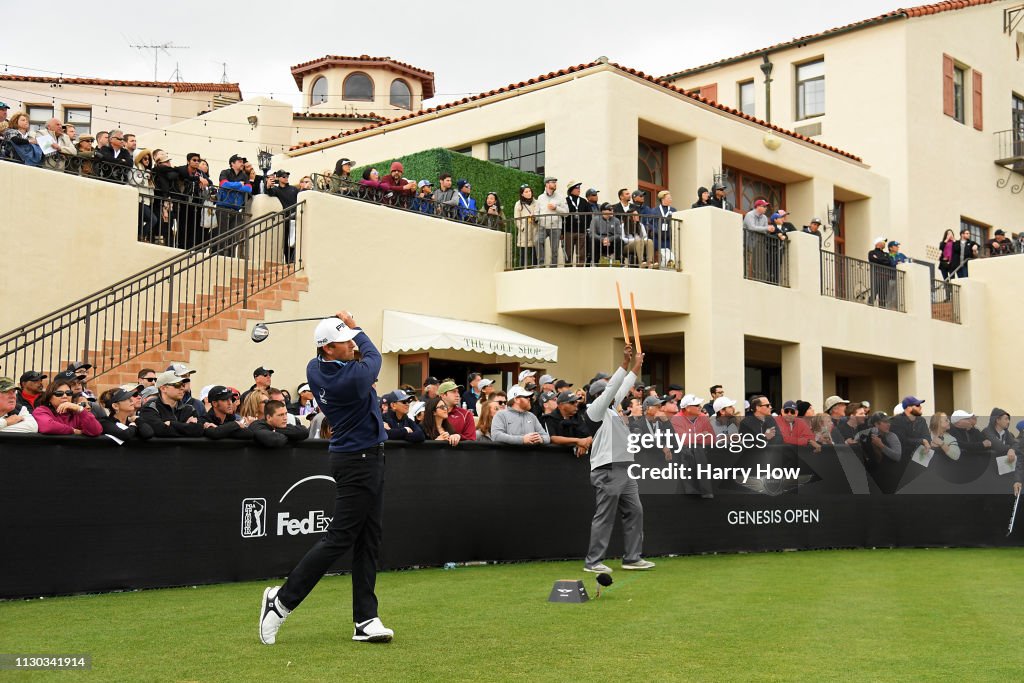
[
  {"x": 622, "y": 313},
  {"x": 636, "y": 330}
]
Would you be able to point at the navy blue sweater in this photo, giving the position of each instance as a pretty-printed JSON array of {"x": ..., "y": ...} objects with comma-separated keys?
[{"x": 346, "y": 396}]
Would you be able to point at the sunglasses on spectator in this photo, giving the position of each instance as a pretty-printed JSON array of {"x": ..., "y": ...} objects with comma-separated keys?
[
  {"x": 62, "y": 394},
  {"x": 789, "y": 411},
  {"x": 441, "y": 406},
  {"x": 176, "y": 385},
  {"x": 149, "y": 379},
  {"x": 117, "y": 138},
  {"x": 500, "y": 403}
]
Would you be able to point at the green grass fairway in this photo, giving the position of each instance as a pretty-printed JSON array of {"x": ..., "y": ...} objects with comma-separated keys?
[{"x": 859, "y": 615}]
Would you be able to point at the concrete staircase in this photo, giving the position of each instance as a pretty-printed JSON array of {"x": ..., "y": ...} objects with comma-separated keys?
[{"x": 193, "y": 326}]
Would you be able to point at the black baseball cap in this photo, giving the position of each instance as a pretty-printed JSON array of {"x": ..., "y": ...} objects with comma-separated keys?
[
  {"x": 118, "y": 396},
  {"x": 674, "y": 387},
  {"x": 548, "y": 396},
  {"x": 568, "y": 397},
  {"x": 236, "y": 157},
  {"x": 562, "y": 384},
  {"x": 76, "y": 366},
  {"x": 32, "y": 376},
  {"x": 262, "y": 372},
  {"x": 397, "y": 396},
  {"x": 220, "y": 393},
  {"x": 431, "y": 380}
]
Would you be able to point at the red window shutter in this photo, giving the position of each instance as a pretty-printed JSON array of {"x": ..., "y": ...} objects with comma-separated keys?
[
  {"x": 710, "y": 92},
  {"x": 948, "y": 108},
  {"x": 977, "y": 100}
]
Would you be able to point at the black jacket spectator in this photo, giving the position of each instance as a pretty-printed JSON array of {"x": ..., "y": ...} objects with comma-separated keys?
[
  {"x": 574, "y": 427},
  {"x": 751, "y": 425},
  {"x": 701, "y": 201},
  {"x": 398, "y": 428},
  {"x": 156, "y": 413},
  {"x": 113, "y": 427},
  {"x": 911, "y": 432},
  {"x": 268, "y": 436},
  {"x": 970, "y": 440},
  {"x": 1001, "y": 443},
  {"x": 230, "y": 429},
  {"x": 289, "y": 195}
]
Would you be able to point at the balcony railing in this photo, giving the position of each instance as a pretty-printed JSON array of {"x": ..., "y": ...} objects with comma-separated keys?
[
  {"x": 581, "y": 240},
  {"x": 766, "y": 258},
  {"x": 851, "y": 279},
  {"x": 946, "y": 301},
  {"x": 1010, "y": 148}
]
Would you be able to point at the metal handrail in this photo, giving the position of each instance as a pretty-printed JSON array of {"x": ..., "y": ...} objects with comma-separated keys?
[
  {"x": 766, "y": 258},
  {"x": 149, "y": 309},
  {"x": 946, "y": 301},
  {"x": 852, "y": 279}
]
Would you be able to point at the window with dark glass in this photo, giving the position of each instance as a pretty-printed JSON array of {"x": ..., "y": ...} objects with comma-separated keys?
[
  {"x": 358, "y": 86},
  {"x": 401, "y": 95},
  {"x": 318, "y": 95},
  {"x": 810, "y": 89},
  {"x": 525, "y": 152},
  {"x": 746, "y": 188},
  {"x": 979, "y": 232}
]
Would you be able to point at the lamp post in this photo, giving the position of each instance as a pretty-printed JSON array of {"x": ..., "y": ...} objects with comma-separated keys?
[
  {"x": 264, "y": 159},
  {"x": 835, "y": 215}
]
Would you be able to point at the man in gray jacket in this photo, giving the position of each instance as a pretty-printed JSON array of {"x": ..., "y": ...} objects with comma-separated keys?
[
  {"x": 549, "y": 224},
  {"x": 616, "y": 493},
  {"x": 755, "y": 219},
  {"x": 517, "y": 425},
  {"x": 445, "y": 198}
]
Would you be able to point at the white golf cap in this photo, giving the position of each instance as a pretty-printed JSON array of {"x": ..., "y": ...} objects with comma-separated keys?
[
  {"x": 181, "y": 370},
  {"x": 960, "y": 415},
  {"x": 165, "y": 378},
  {"x": 526, "y": 373},
  {"x": 690, "y": 400},
  {"x": 303, "y": 387},
  {"x": 833, "y": 401},
  {"x": 331, "y": 330},
  {"x": 415, "y": 408},
  {"x": 880, "y": 239},
  {"x": 486, "y": 383},
  {"x": 205, "y": 391},
  {"x": 518, "y": 391},
  {"x": 722, "y": 403}
]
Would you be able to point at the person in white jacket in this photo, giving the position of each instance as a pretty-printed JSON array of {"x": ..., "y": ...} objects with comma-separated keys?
[
  {"x": 615, "y": 492},
  {"x": 13, "y": 420},
  {"x": 551, "y": 207}
]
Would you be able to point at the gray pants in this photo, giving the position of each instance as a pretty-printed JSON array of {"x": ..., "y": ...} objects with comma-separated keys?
[
  {"x": 554, "y": 235},
  {"x": 616, "y": 494}
]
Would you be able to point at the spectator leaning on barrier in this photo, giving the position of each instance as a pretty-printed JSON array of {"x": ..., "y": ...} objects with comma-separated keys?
[
  {"x": 880, "y": 442},
  {"x": 466, "y": 204},
  {"x": 488, "y": 409},
  {"x": 965, "y": 432},
  {"x": 435, "y": 422},
  {"x": 577, "y": 225},
  {"x": 851, "y": 425},
  {"x": 999, "y": 245},
  {"x": 566, "y": 426},
  {"x": 793, "y": 430},
  {"x": 463, "y": 422},
  {"x": 724, "y": 421},
  {"x": 964, "y": 250},
  {"x": 909, "y": 426},
  {"x": 755, "y": 219},
  {"x": 444, "y": 197},
  {"x": 814, "y": 228},
  {"x": 397, "y": 189},
  {"x": 998, "y": 433},
  {"x": 761, "y": 422},
  {"x": 168, "y": 415},
  {"x": 940, "y": 439},
  {"x": 14, "y": 418},
  {"x": 516, "y": 424},
  {"x": 396, "y": 419},
  {"x": 57, "y": 413},
  {"x": 703, "y": 198},
  {"x": 221, "y": 422},
  {"x": 606, "y": 236},
  {"x": 423, "y": 201},
  {"x": 235, "y": 186},
  {"x": 273, "y": 431},
  {"x": 121, "y": 422}
]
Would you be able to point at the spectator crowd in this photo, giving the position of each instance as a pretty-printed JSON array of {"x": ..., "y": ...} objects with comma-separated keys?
[{"x": 534, "y": 411}]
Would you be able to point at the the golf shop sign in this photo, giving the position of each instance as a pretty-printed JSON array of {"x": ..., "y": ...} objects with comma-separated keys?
[{"x": 260, "y": 519}]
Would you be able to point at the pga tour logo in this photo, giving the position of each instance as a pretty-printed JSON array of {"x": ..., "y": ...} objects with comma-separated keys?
[{"x": 255, "y": 514}]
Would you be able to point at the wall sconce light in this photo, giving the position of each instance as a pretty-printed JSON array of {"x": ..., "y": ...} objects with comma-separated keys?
[
  {"x": 253, "y": 120},
  {"x": 771, "y": 141}
]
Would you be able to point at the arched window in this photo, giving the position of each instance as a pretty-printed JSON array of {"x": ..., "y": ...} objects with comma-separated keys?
[
  {"x": 401, "y": 95},
  {"x": 318, "y": 95},
  {"x": 358, "y": 86}
]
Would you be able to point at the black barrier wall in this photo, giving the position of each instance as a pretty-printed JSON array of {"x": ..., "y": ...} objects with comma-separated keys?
[{"x": 84, "y": 515}]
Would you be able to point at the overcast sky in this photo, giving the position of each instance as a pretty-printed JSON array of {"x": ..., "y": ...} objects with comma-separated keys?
[{"x": 471, "y": 47}]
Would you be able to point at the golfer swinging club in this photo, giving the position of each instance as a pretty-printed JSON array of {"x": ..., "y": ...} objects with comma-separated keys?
[
  {"x": 615, "y": 492},
  {"x": 343, "y": 387}
]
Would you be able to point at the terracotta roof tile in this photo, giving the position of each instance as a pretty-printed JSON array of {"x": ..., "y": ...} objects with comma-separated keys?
[
  {"x": 323, "y": 115},
  {"x": 169, "y": 85},
  {"x": 427, "y": 77},
  {"x": 575, "y": 69},
  {"x": 909, "y": 13}
]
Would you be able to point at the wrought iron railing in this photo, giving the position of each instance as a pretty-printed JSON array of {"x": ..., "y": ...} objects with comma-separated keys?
[
  {"x": 149, "y": 309},
  {"x": 946, "y": 301},
  {"x": 1010, "y": 147},
  {"x": 629, "y": 240},
  {"x": 851, "y": 279},
  {"x": 766, "y": 258}
]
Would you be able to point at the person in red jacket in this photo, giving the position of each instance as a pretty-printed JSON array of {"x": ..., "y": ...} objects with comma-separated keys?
[
  {"x": 463, "y": 421},
  {"x": 795, "y": 430},
  {"x": 395, "y": 188},
  {"x": 57, "y": 413},
  {"x": 695, "y": 427}
]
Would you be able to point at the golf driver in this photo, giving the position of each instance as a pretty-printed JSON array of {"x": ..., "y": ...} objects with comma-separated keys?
[{"x": 260, "y": 332}]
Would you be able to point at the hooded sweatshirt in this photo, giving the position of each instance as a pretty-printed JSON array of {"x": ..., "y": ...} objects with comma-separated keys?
[{"x": 1001, "y": 442}]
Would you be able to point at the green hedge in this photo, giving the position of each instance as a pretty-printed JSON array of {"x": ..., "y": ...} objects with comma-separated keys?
[{"x": 484, "y": 176}]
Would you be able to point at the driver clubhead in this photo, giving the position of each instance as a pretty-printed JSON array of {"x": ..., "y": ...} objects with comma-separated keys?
[{"x": 260, "y": 332}]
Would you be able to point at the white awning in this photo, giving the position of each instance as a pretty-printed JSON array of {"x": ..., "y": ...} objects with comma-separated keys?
[{"x": 414, "y": 332}]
